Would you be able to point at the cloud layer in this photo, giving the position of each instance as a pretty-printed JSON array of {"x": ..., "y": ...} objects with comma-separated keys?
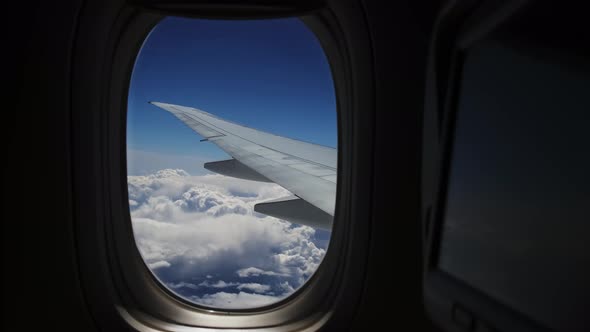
[{"x": 202, "y": 238}]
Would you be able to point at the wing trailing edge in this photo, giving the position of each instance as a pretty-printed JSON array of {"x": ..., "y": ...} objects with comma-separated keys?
[
  {"x": 236, "y": 169},
  {"x": 296, "y": 210}
]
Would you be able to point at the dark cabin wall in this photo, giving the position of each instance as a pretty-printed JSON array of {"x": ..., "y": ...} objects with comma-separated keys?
[
  {"x": 400, "y": 32},
  {"x": 40, "y": 282}
]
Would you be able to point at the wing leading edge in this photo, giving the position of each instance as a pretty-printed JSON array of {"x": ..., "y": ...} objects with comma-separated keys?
[{"x": 307, "y": 170}]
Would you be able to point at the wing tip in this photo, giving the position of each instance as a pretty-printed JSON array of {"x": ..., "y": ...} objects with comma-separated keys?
[{"x": 158, "y": 104}]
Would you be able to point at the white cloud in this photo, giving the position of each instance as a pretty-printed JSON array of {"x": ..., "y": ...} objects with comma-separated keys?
[
  {"x": 158, "y": 264},
  {"x": 239, "y": 300},
  {"x": 205, "y": 225},
  {"x": 205, "y": 284},
  {"x": 255, "y": 272},
  {"x": 181, "y": 285},
  {"x": 173, "y": 183},
  {"x": 287, "y": 288},
  {"x": 255, "y": 287},
  {"x": 218, "y": 284}
]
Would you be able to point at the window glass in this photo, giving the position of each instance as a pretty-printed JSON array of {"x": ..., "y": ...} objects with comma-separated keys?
[{"x": 196, "y": 229}]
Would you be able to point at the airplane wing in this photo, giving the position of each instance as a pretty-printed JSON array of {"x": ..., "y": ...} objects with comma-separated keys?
[{"x": 307, "y": 170}]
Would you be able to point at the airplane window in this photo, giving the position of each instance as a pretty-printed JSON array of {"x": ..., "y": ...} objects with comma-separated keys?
[{"x": 231, "y": 158}]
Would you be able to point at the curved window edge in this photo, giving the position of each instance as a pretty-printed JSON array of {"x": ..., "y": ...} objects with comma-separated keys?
[{"x": 126, "y": 288}]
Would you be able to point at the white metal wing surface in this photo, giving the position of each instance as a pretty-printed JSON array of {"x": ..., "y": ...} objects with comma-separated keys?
[{"x": 307, "y": 170}]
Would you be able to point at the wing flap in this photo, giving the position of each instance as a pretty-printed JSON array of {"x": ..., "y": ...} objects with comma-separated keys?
[
  {"x": 236, "y": 169},
  {"x": 296, "y": 210}
]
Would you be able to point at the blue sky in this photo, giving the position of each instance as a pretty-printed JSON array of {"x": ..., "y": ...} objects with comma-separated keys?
[{"x": 271, "y": 75}]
